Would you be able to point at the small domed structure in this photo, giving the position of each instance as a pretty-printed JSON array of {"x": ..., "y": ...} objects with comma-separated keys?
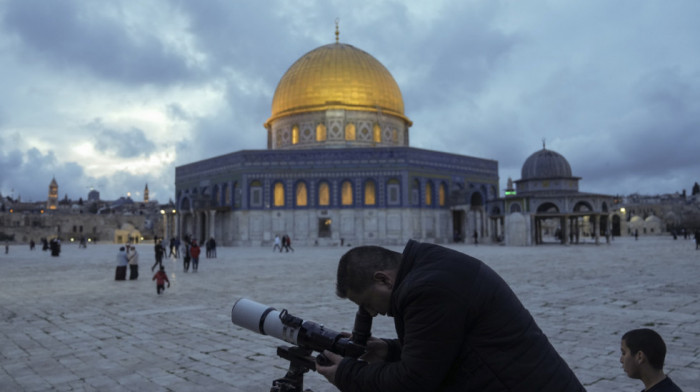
[{"x": 548, "y": 194}]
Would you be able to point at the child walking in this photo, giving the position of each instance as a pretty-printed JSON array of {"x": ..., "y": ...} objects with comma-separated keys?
[{"x": 161, "y": 277}]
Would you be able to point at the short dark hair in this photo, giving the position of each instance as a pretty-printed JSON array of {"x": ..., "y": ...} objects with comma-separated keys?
[
  {"x": 650, "y": 343},
  {"x": 358, "y": 265}
]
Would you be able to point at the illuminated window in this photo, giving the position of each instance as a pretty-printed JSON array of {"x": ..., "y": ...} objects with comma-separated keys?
[
  {"x": 321, "y": 133},
  {"x": 428, "y": 194},
  {"x": 346, "y": 193},
  {"x": 394, "y": 136},
  {"x": 393, "y": 192},
  {"x": 295, "y": 134},
  {"x": 441, "y": 195},
  {"x": 324, "y": 194},
  {"x": 377, "y": 133},
  {"x": 370, "y": 193},
  {"x": 350, "y": 131},
  {"x": 279, "y": 194},
  {"x": 301, "y": 195}
]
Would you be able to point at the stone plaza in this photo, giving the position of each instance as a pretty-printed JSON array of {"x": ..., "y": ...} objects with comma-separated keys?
[{"x": 67, "y": 325}]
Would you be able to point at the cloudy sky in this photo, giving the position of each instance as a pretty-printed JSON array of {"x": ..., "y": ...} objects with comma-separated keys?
[{"x": 114, "y": 95}]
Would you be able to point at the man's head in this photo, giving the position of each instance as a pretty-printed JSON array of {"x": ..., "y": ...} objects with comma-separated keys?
[
  {"x": 366, "y": 276},
  {"x": 642, "y": 348}
]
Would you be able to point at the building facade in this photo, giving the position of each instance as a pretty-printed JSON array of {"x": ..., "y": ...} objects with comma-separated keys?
[
  {"x": 338, "y": 169},
  {"x": 547, "y": 207}
]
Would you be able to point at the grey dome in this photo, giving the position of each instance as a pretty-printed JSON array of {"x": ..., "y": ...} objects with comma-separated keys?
[{"x": 545, "y": 164}]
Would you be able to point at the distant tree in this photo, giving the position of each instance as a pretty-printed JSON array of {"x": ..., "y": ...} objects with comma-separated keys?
[
  {"x": 696, "y": 189},
  {"x": 80, "y": 201}
]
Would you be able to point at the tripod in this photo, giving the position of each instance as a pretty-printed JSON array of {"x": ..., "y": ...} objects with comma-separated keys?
[{"x": 300, "y": 362}]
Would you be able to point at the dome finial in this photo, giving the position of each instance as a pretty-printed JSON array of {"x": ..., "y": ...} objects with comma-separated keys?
[
  {"x": 337, "y": 32},
  {"x": 544, "y": 144}
]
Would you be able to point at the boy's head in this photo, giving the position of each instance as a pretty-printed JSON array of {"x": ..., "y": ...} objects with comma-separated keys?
[
  {"x": 641, "y": 348},
  {"x": 162, "y": 268}
]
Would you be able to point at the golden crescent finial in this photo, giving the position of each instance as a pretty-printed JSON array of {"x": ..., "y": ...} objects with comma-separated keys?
[{"x": 337, "y": 33}]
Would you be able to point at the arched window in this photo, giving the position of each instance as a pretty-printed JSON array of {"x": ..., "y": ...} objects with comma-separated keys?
[
  {"x": 415, "y": 193},
  {"x": 236, "y": 196},
  {"x": 295, "y": 134},
  {"x": 350, "y": 131},
  {"x": 394, "y": 136},
  {"x": 216, "y": 197},
  {"x": 256, "y": 194},
  {"x": 441, "y": 195},
  {"x": 370, "y": 193},
  {"x": 227, "y": 195},
  {"x": 428, "y": 193},
  {"x": 393, "y": 192},
  {"x": 321, "y": 133},
  {"x": 324, "y": 194},
  {"x": 301, "y": 195},
  {"x": 377, "y": 133},
  {"x": 346, "y": 193},
  {"x": 279, "y": 194}
]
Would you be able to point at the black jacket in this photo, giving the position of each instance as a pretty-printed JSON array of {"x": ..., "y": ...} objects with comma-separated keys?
[{"x": 460, "y": 328}]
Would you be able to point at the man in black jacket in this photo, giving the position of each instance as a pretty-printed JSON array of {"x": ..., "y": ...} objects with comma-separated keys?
[{"x": 459, "y": 326}]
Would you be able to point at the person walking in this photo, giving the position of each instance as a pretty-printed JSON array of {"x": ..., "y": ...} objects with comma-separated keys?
[
  {"x": 161, "y": 277},
  {"x": 278, "y": 244},
  {"x": 133, "y": 257},
  {"x": 159, "y": 253},
  {"x": 194, "y": 252},
  {"x": 122, "y": 262},
  {"x": 211, "y": 246},
  {"x": 186, "y": 258},
  {"x": 286, "y": 243}
]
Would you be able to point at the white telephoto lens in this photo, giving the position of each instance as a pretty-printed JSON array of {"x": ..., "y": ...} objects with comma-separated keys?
[{"x": 262, "y": 319}]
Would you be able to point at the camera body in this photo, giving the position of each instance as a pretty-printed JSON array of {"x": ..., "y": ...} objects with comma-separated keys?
[{"x": 306, "y": 334}]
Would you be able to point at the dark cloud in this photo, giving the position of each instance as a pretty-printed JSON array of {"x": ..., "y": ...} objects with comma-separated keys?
[
  {"x": 67, "y": 34},
  {"x": 128, "y": 143},
  {"x": 613, "y": 88},
  {"x": 27, "y": 174},
  {"x": 238, "y": 126}
]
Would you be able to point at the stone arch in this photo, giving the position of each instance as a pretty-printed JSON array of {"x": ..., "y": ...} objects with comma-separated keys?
[
  {"x": 547, "y": 207},
  {"x": 476, "y": 200},
  {"x": 583, "y": 206},
  {"x": 216, "y": 195}
]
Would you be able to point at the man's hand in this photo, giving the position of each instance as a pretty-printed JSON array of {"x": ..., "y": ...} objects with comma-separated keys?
[
  {"x": 377, "y": 350},
  {"x": 329, "y": 371}
]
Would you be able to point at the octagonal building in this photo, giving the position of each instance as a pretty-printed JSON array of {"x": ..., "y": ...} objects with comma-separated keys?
[{"x": 338, "y": 169}]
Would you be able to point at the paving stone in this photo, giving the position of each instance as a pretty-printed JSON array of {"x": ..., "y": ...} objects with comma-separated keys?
[{"x": 65, "y": 324}]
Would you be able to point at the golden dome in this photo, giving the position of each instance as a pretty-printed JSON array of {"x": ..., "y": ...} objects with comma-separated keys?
[{"x": 337, "y": 76}]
